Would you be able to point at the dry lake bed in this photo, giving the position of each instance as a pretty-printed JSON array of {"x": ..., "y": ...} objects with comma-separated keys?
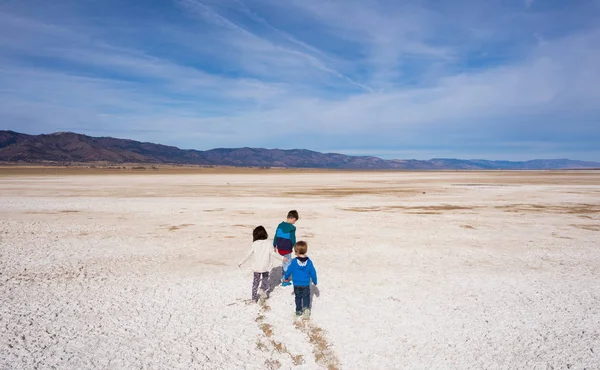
[{"x": 417, "y": 270}]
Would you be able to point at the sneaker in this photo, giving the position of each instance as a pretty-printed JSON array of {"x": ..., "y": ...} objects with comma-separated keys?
[
  {"x": 306, "y": 313},
  {"x": 298, "y": 314},
  {"x": 262, "y": 294}
]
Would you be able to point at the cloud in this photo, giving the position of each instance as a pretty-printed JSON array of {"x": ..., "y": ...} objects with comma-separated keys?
[
  {"x": 267, "y": 53},
  {"x": 357, "y": 76}
]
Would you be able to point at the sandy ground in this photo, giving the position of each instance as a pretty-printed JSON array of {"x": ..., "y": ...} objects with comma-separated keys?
[{"x": 417, "y": 270}]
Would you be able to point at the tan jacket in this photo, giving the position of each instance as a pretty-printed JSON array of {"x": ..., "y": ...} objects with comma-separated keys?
[{"x": 262, "y": 254}]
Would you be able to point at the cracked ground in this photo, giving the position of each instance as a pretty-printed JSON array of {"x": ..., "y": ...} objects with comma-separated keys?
[{"x": 416, "y": 270}]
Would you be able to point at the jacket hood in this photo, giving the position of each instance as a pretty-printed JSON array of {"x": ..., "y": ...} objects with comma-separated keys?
[
  {"x": 302, "y": 262},
  {"x": 286, "y": 227}
]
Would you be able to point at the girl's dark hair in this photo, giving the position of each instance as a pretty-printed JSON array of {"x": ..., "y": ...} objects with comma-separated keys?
[{"x": 259, "y": 233}]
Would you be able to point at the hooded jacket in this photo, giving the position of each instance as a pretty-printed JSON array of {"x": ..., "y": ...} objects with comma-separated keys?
[
  {"x": 285, "y": 238},
  {"x": 302, "y": 271},
  {"x": 262, "y": 254}
]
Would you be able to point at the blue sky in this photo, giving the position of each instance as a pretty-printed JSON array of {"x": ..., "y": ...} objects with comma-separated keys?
[{"x": 509, "y": 80}]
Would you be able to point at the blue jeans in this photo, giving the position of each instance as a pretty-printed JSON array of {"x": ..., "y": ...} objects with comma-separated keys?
[
  {"x": 302, "y": 294},
  {"x": 285, "y": 265}
]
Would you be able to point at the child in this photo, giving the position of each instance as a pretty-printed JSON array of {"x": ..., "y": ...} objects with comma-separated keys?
[
  {"x": 261, "y": 253},
  {"x": 302, "y": 271},
  {"x": 285, "y": 239}
]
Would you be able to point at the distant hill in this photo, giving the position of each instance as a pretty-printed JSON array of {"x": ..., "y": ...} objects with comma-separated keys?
[{"x": 69, "y": 147}]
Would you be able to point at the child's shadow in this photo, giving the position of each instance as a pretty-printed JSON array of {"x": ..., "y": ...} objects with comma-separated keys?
[
  {"x": 314, "y": 291},
  {"x": 275, "y": 278}
]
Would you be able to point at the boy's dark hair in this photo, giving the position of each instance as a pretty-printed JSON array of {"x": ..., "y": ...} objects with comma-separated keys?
[
  {"x": 301, "y": 247},
  {"x": 259, "y": 233},
  {"x": 293, "y": 214}
]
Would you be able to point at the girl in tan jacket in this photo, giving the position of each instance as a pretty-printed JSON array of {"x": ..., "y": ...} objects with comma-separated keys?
[{"x": 262, "y": 254}]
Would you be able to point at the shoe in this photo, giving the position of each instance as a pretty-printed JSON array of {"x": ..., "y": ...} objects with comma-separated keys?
[
  {"x": 262, "y": 294},
  {"x": 306, "y": 314},
  {"x": 298, "y": 314}
]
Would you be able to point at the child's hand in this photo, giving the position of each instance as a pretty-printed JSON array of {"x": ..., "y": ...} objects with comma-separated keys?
[{"x": 285, "y": 259}]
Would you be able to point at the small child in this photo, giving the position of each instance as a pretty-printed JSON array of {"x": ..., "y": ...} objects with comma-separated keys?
[
  {"x": 261, "y": 253},
  {"x": 302, "y": 271},
  {"x": 285, "y": 239}
]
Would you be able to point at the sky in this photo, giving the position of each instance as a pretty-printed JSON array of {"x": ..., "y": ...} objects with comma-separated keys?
[{"x": 470, "y": 79}]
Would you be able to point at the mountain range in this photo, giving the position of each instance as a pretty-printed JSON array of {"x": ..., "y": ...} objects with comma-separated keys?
[{"x": 69, "y": 147}]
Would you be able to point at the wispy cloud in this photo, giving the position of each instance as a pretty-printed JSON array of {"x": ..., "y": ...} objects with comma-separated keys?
[
  {"x": 382, "y": 77},
  {"x": 266, "y": 51}
]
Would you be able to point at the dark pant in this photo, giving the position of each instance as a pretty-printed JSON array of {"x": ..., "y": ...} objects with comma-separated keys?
[
  {"x": 265, "y": 283},
  {"x": 302, "y": 297}
]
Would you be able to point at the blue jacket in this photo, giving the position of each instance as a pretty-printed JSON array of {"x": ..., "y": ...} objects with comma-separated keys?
[
  {"x": 302, "y": 271},
  {"x": 285, "y": 238}
]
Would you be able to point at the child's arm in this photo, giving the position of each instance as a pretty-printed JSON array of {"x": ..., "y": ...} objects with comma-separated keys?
[
  {"x": 278, "y": 256},
  {"x": 275, "y": 238},
  {"x": 293, "y": 236},
  {"x": 289, "y": 272},
  {"x": 246, "y": 257},
  {"x": 313, "y": 274}
]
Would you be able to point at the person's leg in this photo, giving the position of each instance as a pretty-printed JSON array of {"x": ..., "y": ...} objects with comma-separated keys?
[
  {"x": 265, "y": 283},
  {"x": 255, "y": 286},
  {"x": 284, "y": 267},
  {"x": 264, "y": 286},
  {"x": 286, "y": 264},
  {"x": 306, "y": 299},
  {"x": 298, "y": 294}
]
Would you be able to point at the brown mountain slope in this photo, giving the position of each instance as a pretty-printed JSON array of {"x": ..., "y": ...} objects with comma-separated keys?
[{"x": 63, "y": 147}]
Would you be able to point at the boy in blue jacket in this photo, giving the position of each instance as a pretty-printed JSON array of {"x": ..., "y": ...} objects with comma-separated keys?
[
  {"x": 302, "y": 271},
  {"x": 285, "y": 239}
]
